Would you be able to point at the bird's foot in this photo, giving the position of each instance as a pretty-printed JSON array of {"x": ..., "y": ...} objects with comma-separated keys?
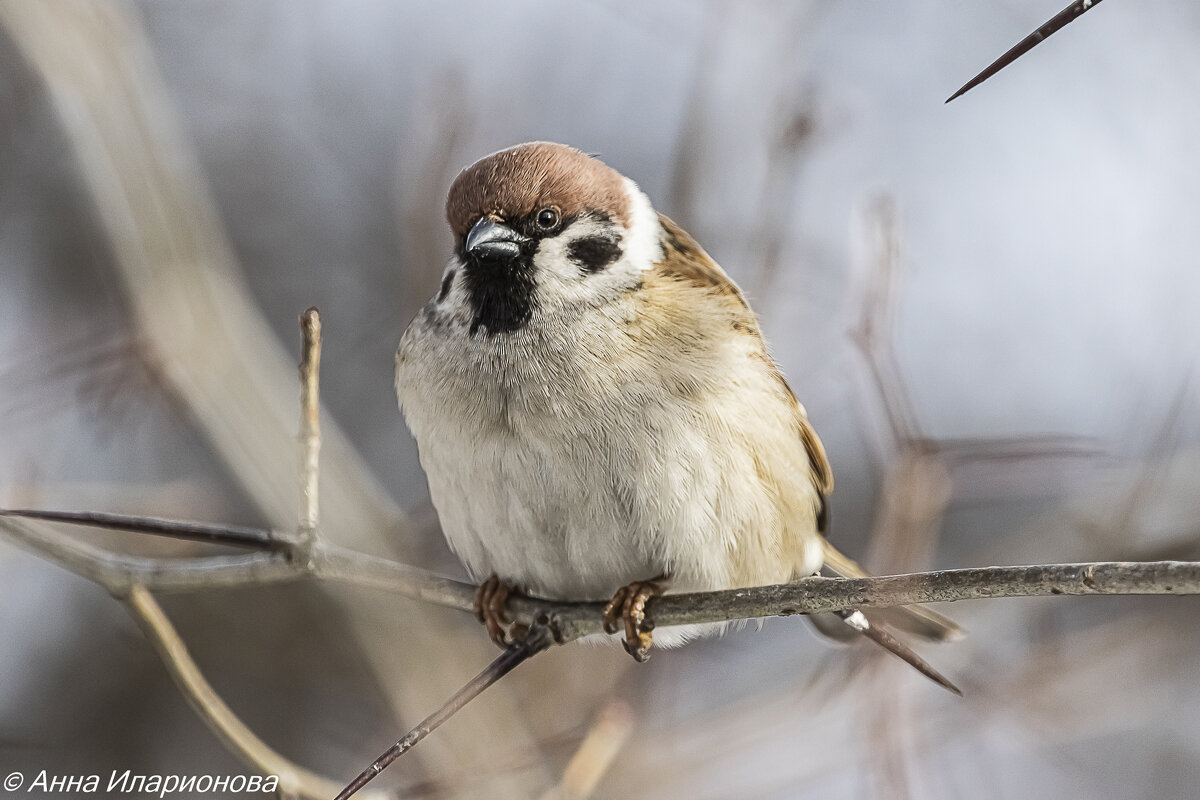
[
  {"x": 628, "y": 608},
  {"x": 490, "y": 599}
]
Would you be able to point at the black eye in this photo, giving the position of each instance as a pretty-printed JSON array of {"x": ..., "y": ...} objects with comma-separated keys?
[{"x": 547, "y": 218}]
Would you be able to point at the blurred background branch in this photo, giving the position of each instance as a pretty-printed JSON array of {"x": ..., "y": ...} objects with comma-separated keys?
[{"x": 294, "y": 780}]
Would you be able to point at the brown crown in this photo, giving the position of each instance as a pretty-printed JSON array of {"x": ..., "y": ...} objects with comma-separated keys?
[{"x": 515, "y": 182}]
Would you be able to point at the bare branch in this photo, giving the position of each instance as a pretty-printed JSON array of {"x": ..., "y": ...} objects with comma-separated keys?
[
  {"x": 235, "y": 535},
  {"x": 1058, "y": 21},
  {"x": 118, "y": 573},
  {"x": 340, "y": 564},
  {"x": 813, "y": 595},
  {"x": 535, "y": 640},
  {"x": 572, "y": 620}
]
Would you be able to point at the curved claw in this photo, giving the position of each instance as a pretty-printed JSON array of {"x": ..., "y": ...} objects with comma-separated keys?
[
  {"x": 490, "y": 600},
  {"x": 628, "y": 606}
]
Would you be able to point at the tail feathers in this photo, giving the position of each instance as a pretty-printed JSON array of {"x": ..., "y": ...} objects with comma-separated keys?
[
  {"x": 874, "y": 624},
  {"x": 917, "y": 620},
  {"x": 879, "y": 634}
]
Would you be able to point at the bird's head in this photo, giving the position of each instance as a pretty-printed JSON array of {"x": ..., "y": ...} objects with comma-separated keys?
[{"x": 543, "y": 227}]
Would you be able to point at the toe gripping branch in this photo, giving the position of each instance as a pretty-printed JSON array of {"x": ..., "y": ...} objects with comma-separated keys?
[
  {"x": 490, "y": 601},
  {"x": 628, "y": 609},
  {"x": 625, "y": 611}
]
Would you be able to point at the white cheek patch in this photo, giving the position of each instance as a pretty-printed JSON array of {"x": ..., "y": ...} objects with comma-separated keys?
[
  {"x": 640, "y": 244},
  {"x": 565, "y": 280},
  {"x": 564, "y": 277},
  {"x": 554, "y": 254},
  {"x": 643, "y": 245}
]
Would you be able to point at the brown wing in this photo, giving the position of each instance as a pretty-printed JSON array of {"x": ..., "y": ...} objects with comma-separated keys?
[
  {"x": 685, "y": 259},
  {"x": 822, "y": 473}
]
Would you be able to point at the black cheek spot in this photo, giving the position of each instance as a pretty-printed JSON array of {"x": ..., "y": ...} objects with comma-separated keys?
[
  {"x": 594, "y": 253},
  {"x": 446, "y": 283}
]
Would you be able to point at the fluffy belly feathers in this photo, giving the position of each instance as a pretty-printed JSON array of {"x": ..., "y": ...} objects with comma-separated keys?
[{"x": 572, "y": 503}]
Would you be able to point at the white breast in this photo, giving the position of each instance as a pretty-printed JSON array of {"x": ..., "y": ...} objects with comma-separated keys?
[{"x": 571, "y": 470}]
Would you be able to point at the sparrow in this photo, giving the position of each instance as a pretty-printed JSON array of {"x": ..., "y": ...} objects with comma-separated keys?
[{"x": 596, "y": 410}]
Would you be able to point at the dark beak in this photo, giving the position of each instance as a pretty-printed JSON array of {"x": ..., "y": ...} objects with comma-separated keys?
[{"x": 492, "y": 241}]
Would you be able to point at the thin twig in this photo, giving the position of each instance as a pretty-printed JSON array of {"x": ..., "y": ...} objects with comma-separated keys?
[
  {"x": 1058, "y": 21},
  {"x": 235, "y": 535},
  {"x": 885, "y": 639},
  {"x": 342, "y": 565},
  {"x": 310, "y": 425},
  {"x": 535, "y": 640}
]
